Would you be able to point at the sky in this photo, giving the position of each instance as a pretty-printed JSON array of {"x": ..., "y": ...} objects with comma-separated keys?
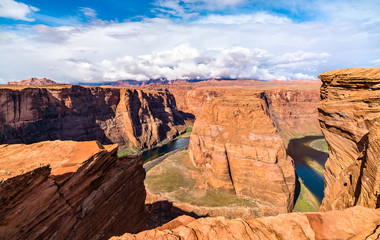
[{"x": 96, "y": 41}]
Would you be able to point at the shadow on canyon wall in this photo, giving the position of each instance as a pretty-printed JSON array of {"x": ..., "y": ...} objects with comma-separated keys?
[
  {"x": 37, "y": 116},
  {"x": 162, "y": 212},
  {"x": 82, "y": 114}
]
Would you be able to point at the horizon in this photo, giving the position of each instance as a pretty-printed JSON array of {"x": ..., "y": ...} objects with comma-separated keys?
[{"x": 97, "y": 41}]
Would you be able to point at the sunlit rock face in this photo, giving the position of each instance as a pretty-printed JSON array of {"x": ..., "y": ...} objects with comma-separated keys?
[
  {"x": 293, "y": 104},
  {"x": 69, "y": 190},
  {"x": 134, "y": 118},
  {"x": 349, "y": 116},
  {"x": 355, "y": 223},
  {"x": 237, "y": 144}
]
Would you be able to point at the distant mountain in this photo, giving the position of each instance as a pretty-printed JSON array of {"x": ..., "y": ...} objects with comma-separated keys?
[
  {"x": 33, "y": 82},
  {"x": 135, "y": 83}
]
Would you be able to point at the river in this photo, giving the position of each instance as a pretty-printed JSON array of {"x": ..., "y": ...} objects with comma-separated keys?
[
  {"x": 301, "y": 152},
  {"x": 161, "y": 150}
]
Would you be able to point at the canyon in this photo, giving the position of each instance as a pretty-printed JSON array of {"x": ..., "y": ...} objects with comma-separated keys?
[
  {"x": 69, "y": 190},
  {"x": 237, "y": 150},
  {"x": 348, "y": 116},
  {"x": 292, "y": 104},
  {"x": 136, "y": 119}
]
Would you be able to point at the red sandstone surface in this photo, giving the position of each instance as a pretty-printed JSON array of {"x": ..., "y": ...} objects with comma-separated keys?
[
  {"x": 69, "y": 190},
  {"x": 129, "y": 117},
  {"x": 33, "y": 82},
  {"x": 355, "y": 223},
  {"x": 237, "y": 144},
  {"x": 349, "y": 115}
]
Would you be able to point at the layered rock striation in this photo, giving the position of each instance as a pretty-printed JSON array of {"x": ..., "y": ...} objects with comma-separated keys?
[
  {"x": 237, "y": 144},
  {"x": 356, "y": 223},
  {"x": 293, "y": 105},
  {"x": 349, "y": 116},
  {"x": 133, "y": 118},
  {"x": 69, "y": 190}
]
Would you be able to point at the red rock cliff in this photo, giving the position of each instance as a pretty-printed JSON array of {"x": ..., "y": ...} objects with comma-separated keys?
[
  {"x": 69, "y": 190},
  {"x": 356, "y": 223},
  {"x": 349, "y": 115},
  {"x": 130, "y": 117},
  {"x": 236, "y": 142},
  {"x": 293, "y": 104}
]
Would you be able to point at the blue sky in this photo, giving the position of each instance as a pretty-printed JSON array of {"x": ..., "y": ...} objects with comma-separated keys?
[{"x": 95, "y": 41}]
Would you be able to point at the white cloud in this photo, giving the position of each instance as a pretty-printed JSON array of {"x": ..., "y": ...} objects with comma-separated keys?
[
  {"x": 190, "y": 8},
  {"x": 16, "y": 10},
  {"x": 260, "y": 17},
  {"x": 88, "y": 12},
  {"x": 212, "y": 4}
]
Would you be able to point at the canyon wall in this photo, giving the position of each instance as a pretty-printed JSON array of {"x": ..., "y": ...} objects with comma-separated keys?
[
  {"x": 349, "y": 116},
  {"x": 237, "y": 144},
  {"x": 69, "y": 190},
  {"x": 356, "y": 223},
  {"x": 293, "y": 105},
  {"x": 135, "y": 118}
]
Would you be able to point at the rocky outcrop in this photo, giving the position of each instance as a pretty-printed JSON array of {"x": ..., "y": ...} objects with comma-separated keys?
[
  {"x": 69, "y": 190},
  {"x": 134, "y": 118},
  {"x": 349, "y": 115},
  {"x": 33, "y": 82},
  {"x": 237, "y": 144},
  {"x": 355, "y": 223}
]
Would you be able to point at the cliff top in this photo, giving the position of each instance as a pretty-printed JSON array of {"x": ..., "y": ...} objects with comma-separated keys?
[
  {"x": 352, "y": 73},
  {"x": 62, "y": 156},
  {"x": 64, "y": 86},
  {"x": 21, "y": 87}
]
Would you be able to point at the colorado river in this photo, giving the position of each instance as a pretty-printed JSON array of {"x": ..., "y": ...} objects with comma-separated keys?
[
  {"x": 166, "y": 148},
  {"x": 302, "y": 153}
]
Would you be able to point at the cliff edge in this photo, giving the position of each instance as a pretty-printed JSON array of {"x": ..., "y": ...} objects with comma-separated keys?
[
  {"x": 349, "y": 116},
  {"x": 69, "y": 190}
]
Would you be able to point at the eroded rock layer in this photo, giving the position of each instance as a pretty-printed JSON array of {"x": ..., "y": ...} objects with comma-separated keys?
[
  {"x": 349, "y": 116},
  {"x": 356, "y": 223},
  {"x": 69, "y": 190},
  {"x": 134, "y": 118},
  {"x": 293, "y": 104},
  {"x": 236, "y": 143}
]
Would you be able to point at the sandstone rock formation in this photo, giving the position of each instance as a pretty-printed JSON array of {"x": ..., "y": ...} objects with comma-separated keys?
[
  {"x": 349, "y": 115},
  {"x": 33, "y": 82},
  {"x": 135, "y": 118},
  {"x": 356, "y": 223},
  {"x": 293, "y": 105},
  {"x": 69, "y": 190},
  {"x": 236, "y": 142}
]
